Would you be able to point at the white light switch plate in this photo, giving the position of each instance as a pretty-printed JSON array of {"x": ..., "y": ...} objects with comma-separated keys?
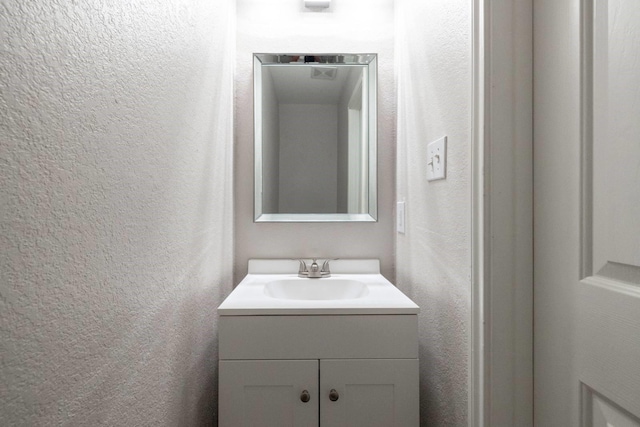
[
  {"x": 400, "y": 217},
  {"x": 437, "y": 159}
]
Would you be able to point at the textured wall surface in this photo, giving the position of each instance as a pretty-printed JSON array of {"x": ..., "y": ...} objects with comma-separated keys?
[
  {"x": 115, "y": 213},
  {"x": 286, "y": 26},
  {"x": 433, "y": 260}
]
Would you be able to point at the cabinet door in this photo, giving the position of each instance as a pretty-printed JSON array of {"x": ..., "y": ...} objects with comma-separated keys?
[
  {"x": 370, "y": 393},
  {"x": 267, "y": 393}
]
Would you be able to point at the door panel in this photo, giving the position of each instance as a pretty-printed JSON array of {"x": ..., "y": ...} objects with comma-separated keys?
[
  {"x": 616, "y": 142},
  {"x": 267, "y": 393},
  {"x": 602, "y": 413},
  {"x": 372, "y": 393},
  {"x": 587, "y": 213},
  {"x": 609, "y": 343},
  {"x": 369, "y": 404},
  {"x": 608, "y": 315}
]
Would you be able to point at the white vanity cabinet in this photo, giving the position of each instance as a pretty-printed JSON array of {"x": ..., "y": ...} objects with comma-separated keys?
[
  {"x": 313, "y": 354},
  {"x": 355, "y": 370},
  {"x": 372, "y": 392},
  {"x": 268, "y": 393},
  {"x": 335, "y": 392}
]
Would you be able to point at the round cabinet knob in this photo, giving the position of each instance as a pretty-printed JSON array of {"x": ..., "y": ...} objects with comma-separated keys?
[
  {"x": 305, "y": 396},
  {"x": 333, "y": 395}
]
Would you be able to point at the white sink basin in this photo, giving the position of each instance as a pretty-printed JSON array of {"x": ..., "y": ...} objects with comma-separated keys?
[
  {"x": 315, "y": 289},
  {"x": 273, "y": 288}
]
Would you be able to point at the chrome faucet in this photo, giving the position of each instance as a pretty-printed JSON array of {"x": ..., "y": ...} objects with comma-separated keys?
[{"x": 314, "y": 271}]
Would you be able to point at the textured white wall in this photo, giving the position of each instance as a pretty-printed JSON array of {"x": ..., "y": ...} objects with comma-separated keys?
[
  {"x": 115, "y": 133},
  {"x": 433, "y": 258},
  {"x": 358, "y": 26}
]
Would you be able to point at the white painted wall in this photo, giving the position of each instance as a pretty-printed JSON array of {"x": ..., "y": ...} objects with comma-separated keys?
[
  {"x": 308, "y": 158},
  {"x": 115, "y": 154},
  {"x": 286, "y": 26},
  {"x": 433, "y": 49}
]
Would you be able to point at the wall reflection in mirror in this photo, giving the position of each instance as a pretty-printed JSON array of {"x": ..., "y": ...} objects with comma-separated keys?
[{"x": 315, "y": 137}]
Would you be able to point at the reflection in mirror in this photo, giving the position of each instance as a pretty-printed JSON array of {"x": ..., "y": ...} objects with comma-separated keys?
[{"x": 315, "y": 138}]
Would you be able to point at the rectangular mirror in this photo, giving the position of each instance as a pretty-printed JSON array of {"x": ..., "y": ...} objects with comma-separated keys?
[{"x": 315, "y": 137}]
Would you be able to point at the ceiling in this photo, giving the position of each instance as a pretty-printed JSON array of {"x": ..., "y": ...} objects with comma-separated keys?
[{"x": 293, "y": 83}]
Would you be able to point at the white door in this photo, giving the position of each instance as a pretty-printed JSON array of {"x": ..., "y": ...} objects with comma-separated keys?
[
  {"x": 369, "y": 393},
  {"x": 268, "y": 393},
  {"x": 587, "y": 213}
]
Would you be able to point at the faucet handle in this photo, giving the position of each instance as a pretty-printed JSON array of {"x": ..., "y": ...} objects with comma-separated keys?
[
  {"x": 302, "y": 270},
  {"x": 325, "y": 267}
]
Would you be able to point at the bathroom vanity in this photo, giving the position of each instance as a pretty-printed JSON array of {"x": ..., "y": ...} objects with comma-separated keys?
[{"x": 337, "y": 351}]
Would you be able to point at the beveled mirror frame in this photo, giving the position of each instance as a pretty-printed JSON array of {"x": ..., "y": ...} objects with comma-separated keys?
[{"x": 339, "y": 60}]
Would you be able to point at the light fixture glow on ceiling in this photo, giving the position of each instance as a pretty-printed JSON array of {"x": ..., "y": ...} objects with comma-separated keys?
[{"x": 317, "y": 4}]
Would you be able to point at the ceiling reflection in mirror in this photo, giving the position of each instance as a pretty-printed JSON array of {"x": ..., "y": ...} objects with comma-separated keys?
[{"x": 315, "y": 137}]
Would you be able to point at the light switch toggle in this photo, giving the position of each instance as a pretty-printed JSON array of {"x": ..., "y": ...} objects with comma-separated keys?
[{"x": 437, "y": 156}]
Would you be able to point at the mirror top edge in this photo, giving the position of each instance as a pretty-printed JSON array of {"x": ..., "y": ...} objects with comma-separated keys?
[{"x": 297, "y": 59}]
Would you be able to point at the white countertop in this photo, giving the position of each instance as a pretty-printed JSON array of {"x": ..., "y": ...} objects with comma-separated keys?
[{"x": 249, "y": 298}]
